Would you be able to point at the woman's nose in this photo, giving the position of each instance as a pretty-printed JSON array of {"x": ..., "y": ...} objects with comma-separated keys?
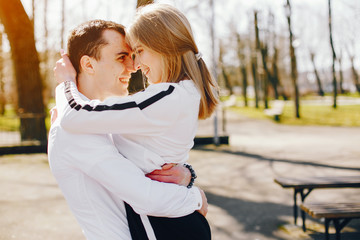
[{"x": 137, "y": 63}]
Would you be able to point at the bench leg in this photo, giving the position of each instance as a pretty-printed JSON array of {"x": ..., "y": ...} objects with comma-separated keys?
[
  {"x": 340, "y": 225},
  {"x": 303, "y": 220},
  {"x": 303, "y": 196},
  {"x": 327, "y": 222},
  {"x": 295, "y": 206}
]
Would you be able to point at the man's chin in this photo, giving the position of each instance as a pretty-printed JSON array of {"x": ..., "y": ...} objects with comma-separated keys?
[{"x": 124, "y": 93}]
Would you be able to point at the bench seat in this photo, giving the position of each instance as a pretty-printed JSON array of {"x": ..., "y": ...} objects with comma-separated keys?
[
  {"x": 339, "y": 213},
  {"x": 276, "y": 110}
]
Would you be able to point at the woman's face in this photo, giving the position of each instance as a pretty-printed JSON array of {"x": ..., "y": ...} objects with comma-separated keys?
[{"x": 149, "y": 62}]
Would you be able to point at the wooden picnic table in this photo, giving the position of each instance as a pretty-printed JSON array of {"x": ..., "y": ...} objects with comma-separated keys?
[{"x": 305, "y": 185}]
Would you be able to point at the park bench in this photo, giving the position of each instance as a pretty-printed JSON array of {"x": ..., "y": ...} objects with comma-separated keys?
[
  {"x": 276, "y": 110},
  {"x": 339, "y": 213},
  {"x": 303, "y": 187}
]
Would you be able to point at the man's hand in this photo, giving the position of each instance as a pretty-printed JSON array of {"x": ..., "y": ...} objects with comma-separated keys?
[
  {"x": 64, "y": 70},
  {"x": 204, "y": 208},
  {"x": 171, "y": 173}
]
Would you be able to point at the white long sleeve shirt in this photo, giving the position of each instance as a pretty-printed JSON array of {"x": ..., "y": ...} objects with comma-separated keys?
[
  {"x": 162, "y": 119},
  {"x": 95, "y": 180}
]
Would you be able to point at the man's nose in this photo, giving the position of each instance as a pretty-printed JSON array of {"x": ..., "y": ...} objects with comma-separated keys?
[{"x": 130, "y": 66}]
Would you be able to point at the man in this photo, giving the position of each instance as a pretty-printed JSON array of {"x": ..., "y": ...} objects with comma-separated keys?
[{"x": 94, "y": 178}]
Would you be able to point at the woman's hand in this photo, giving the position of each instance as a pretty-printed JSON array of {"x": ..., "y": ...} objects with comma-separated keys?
[
  {"x": 64, "y": 70},
  {"x": 171, "y": 173}
]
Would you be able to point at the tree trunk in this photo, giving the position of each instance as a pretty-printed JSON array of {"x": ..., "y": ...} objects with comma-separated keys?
[
  {"x": 2, "y": 82},
  {"x": 228, "y": 84},
  {"x": 26, "y": 65},
  {"x": 318, "y": 81},
  {"x": 275, "y": 80},
  {"x": 242, "y": 60},
  {"x": 355, "y": 74},
  {"x": 226, "y": 79},
  {"x": 62, "y": 24},
  {"x": 341, "y": 75},
  {"x": 244, "y": 84},
  {"x": 267, "y": 77},
  {"x": 254, "y": 65},
  {"x": 333, "y": 57},
  {"x": 273, "y": 73},
  {"x": 293, "y": 62},
  {"x": 255, "y": 78},
  {"x": 45, "y": 58}
]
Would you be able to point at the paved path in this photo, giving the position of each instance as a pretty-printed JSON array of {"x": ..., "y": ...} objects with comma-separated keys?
[{"x": 245, "y": 203}]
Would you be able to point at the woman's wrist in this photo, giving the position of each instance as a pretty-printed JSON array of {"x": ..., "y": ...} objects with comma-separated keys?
[{"x": 193, "y": 175}]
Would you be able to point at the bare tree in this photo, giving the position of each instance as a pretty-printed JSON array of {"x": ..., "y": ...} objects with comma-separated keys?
[
  {"x": 275, "y": 81},
  {"x": 46, "y": 33},
  {"x": 254, "y": 65},
  {"x": 242, "y": 60},
  {"x": 351, "y": 54},
  {"x": 20, "y": 32},
  {"x": 351, "y": 33},
  {"x": 318, "y": 80},
  {"x": 62, "y": 23},
  {"x": 45, "y": 70},
  {"x": 227, "y": 82},
  {"x": 334, "y": 82},
  {"x": 354, "y": 73},
  {"x": 272, "y": 72},
  {"x": 264, "y": 55},
  {"x": 294, "y": 73},
  {"x": 341, "y": 75}
]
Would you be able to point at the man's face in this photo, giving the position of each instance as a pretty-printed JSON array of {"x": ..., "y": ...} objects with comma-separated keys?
[{"x": 114, "y": 68}]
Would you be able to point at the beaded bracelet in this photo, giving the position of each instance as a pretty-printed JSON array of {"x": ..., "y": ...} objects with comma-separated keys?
[{"x": 193, "y": 175}]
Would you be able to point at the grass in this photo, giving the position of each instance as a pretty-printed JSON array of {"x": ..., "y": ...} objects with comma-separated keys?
[
  {"x": 11, "y": 122},
  {"x": 343, "y": 115}
]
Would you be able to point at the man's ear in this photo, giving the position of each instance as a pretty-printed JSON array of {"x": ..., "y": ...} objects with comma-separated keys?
[{"x": 87, "y": 64}]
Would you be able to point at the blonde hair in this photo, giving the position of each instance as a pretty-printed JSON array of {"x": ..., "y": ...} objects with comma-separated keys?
[{"x": 165, "y": 30}]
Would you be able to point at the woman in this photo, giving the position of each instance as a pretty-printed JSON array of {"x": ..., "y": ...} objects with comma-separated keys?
[{"x": 163, "y": 118}]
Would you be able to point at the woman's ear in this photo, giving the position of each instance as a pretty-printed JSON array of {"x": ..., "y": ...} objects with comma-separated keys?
[{"x": 86, "y": 64}]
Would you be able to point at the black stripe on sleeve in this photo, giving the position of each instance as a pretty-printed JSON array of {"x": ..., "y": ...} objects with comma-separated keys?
[{"x": 117, "y": 106}]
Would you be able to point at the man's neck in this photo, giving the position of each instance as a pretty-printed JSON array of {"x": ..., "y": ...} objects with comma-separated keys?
[{"x": 87, "y": 87}]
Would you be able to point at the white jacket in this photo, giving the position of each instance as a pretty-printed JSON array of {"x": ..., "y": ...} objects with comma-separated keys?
[
  {"x": 95, "y": 179},
  {"x": 162, "y": 119}
]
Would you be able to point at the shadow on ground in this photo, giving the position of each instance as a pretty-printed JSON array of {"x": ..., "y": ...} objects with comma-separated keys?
[{"x": 255, "y": 217}]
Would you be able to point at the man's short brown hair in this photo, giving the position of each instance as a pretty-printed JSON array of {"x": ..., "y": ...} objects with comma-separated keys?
[{"x": 87, "y": 39}]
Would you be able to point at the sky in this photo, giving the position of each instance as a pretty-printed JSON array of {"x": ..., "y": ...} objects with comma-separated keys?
[{"x": 310, "y": 24}]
